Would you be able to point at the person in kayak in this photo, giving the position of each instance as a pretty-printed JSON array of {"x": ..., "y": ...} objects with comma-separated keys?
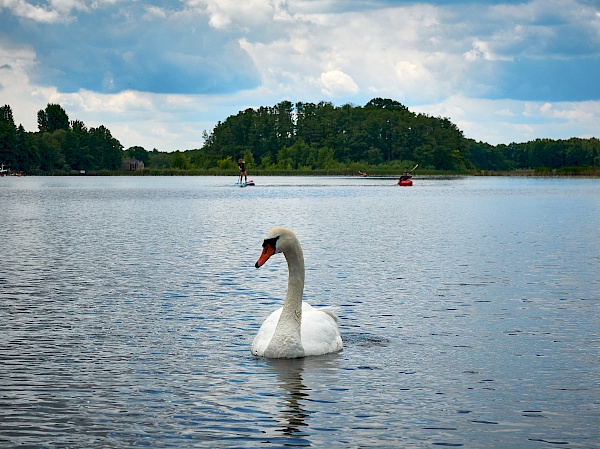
[{"x": 405, "y": 176}]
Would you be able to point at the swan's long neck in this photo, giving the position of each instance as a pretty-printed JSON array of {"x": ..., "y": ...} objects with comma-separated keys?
[
  {"x": 286, "y": 341},
  {"x": 292, "y": 308}
]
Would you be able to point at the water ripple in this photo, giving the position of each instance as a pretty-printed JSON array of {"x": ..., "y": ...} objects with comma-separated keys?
[{"x": 468, "y": 309}]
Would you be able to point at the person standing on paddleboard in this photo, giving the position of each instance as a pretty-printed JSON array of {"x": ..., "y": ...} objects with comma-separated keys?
[{"x": 242, "y": 167}]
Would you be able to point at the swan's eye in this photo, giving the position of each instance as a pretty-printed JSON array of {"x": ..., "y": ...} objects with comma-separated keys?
[{"x": 270, "y": 242}]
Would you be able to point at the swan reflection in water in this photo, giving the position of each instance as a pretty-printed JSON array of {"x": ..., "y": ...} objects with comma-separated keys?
[{"x": 293, "y": 375}]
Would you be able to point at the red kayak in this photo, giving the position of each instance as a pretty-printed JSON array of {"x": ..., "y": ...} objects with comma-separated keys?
[{"x": 405, "y": 183}]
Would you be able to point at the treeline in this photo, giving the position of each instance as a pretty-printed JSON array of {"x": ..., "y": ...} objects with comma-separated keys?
[
  {"x": 59, "y": 147},
  {"x": 382, "y": 137},
  {"x": 322, "y": 136},
  {"x": 537, "y": 154}
]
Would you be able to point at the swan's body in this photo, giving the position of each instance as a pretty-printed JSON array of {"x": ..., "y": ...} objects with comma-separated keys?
[{"x": 297, "y": 329}]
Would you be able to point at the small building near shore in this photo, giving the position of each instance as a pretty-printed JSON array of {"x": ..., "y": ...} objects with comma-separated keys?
[{"x": 132, "y": 165}]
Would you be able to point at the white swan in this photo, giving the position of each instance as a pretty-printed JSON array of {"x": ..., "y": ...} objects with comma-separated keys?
[{"x": 297, "y": 329}]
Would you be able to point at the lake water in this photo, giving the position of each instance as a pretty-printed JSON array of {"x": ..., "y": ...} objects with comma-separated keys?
[{"x": 469, "y": 308}]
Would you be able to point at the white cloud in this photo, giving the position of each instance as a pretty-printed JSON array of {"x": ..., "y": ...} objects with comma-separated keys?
[
  {"x": 336, "y": 83},
  {"x": 249, "y": 13},
  {"x": 22, "y": 9},
  {"x": 585, "y": 113},
  {"x": 56, "y": 11},
  {"x": 154, "y": 12},
  {"x": 369, "y": 47},
  {"x": 16, "y": 89},
  {"x": 506, "y": 121},
  {"x": 66, "y": 6},
  {"x": 481, "y": 50},
  {"x": 436, "y": 59}
]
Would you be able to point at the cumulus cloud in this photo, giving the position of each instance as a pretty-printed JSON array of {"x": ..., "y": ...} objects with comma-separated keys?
[
  {"x": 337, "y": 82},
  {"x": 53, "y": 11},
  {"x": 418, "y": 51},
  {"x": 481, "y": 50},
  {"x": 138, "y": 47},
  {"x": 154, "y": 12},
  {"x": 506, "y": 121},
  {"x": 131, "y": 57},
  {"x": 241, "y": 15},
  {"x": 22, "y": 9}
]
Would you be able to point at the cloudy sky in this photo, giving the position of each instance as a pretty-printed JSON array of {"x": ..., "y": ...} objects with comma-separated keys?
[{"x": 157, "y": 73}]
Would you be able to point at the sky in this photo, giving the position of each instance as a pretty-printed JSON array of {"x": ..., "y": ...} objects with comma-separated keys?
[{"x": 158, "y": 73}]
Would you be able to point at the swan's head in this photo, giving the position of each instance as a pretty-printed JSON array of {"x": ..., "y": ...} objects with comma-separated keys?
[{"x": 278, "y": 240}]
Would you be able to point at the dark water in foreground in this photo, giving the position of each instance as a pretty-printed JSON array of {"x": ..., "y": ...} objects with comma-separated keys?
[{"x": 469, "y": 309}]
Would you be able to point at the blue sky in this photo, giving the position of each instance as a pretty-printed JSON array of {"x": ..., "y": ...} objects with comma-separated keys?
[{"x": 158, "y": 73}]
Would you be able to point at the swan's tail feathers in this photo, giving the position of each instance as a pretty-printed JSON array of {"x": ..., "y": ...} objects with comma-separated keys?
[{"x": 331, "y": 311}]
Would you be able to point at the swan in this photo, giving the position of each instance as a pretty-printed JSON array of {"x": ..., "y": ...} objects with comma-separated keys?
[{"x": 297, "y": 329}]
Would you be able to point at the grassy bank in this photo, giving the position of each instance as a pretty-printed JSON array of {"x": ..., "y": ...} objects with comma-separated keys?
[{"x": 592, "y": 172}]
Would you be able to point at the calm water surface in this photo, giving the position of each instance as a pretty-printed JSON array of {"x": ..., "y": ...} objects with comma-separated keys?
[{"x": 469, "y": 309}]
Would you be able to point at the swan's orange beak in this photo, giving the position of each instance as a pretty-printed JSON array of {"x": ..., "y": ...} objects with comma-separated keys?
[{"x": 267, "y": 252}]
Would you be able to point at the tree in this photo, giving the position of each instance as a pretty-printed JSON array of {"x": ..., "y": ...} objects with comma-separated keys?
[
  {"x": 50, "y": 150},
  {"x": 8, "y": 137},
  {"x": 180, "y": 161},
  {"x": 487, "y": 157},
  {"x": 227, "y": 164},
  {"x": 248, "y": 159},
  {"x": 53, "y": 118},
  {"x": 325, "y": 158},
  {"x": 6, "y": 115},
  {"x": 374, "y": 156},
  {"x": 159, "y": 159},
  {"x": 106, "y": 151},
  {"x": 385, "y": 103},
  {"x": 284, "y": 123},
  {"x": 27, "y": 153},
  {"x": 140, "y": 154}
]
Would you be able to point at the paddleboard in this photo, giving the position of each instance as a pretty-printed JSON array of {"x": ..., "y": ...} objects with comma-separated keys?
[{"x": 244, "y": 184}]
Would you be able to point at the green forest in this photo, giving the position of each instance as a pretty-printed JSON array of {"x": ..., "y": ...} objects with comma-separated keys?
[{"x": 383, "y": 137}]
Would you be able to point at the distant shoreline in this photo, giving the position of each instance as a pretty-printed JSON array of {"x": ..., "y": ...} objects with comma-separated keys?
[
  {"x": 576, "y": 172},
  {"x": 565, "y": 172},
  {"x": 594, "y": 173}
]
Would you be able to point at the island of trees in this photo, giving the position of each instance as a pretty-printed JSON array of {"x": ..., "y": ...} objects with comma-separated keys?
[{"x": 383, "y": 137}]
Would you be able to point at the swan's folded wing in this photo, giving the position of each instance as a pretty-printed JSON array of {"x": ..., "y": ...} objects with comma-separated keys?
[{"x": 320, "y": 332}]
